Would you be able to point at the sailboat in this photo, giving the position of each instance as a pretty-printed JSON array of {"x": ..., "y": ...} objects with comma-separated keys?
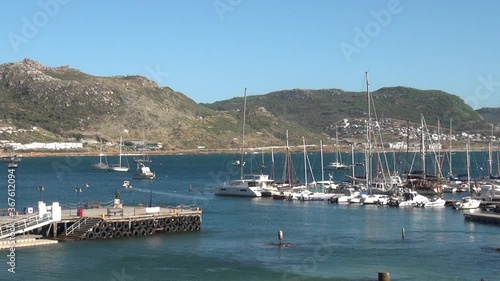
[
  {"x": 118, "y": 167},
  {"x": 490, "y": 159},
  {"x": 467, "y": 202},
  {"x": 337, "y": 165},
  {"x": 420, "y": 181},
  {"x": 246, "y": 185},
  {"x": 101, "y": 165}
]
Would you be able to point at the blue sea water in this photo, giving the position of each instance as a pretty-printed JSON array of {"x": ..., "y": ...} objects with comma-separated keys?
[{"x": 239, "y": 235}]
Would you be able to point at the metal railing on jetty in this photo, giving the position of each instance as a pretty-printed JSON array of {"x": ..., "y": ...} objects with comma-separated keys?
[{"x": 24, "y": 225}]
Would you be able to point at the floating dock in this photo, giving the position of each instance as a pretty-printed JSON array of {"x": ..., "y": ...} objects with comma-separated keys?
[{"x": 25, "y": 241}]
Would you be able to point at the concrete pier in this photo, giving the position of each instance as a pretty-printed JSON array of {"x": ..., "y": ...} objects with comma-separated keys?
[
  {"x": 482, "y": 216},
  {"x": 116, "y": 222}
]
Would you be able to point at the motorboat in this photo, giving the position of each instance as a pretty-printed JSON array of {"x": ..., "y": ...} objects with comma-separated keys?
[
  {"x": 143, "y": 172},
  {"x": 247, "y": 186},
  {"x": 467, "y": 203},
  {"x": 316, "y": 196},
  {"x": 349, "y": 193},
  {"x": 337, "y": 166},
  {"x": 435, "y": 202},
  {"x": 375, "y": 199},
  {"x": 490, "y": 192},
  {"x": 126, "y": 184},
  {"x": 413, "y": 198}
]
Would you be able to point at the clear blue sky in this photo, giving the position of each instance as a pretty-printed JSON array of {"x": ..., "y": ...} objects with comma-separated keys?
[{"x": 211, "y": 49}]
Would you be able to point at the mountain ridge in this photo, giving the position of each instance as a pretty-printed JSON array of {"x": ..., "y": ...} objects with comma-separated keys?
[{"x": 67, "y": 103}]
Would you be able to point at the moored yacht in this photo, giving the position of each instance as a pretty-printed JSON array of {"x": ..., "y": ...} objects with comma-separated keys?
[
  {"x": 248, "y": 186},
  {"x": 143, "y": 172},
  {"x": 413, "y": 198}
]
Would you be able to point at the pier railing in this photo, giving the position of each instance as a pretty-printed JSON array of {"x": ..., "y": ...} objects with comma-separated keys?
[
  {"x": 24, "y": 225},
  {"x": 76, "y": 225}
]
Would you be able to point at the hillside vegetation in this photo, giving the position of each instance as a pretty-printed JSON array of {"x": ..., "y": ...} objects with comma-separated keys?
[{"x": 322, "y": 109}]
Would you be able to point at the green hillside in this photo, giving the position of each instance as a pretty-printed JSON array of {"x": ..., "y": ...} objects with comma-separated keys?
[{"x": 322, "y": 109}]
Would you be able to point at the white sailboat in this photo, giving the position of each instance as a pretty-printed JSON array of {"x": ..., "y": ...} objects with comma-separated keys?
[
  {"x": 337, "y": 165},
  {"x": 118, "y": 167},
  {"x": 328, "y": 184},
  {"x": 467, "y": 202},
  {"x": 101, "y": 165},
  {"x": 247, "y": 185}
]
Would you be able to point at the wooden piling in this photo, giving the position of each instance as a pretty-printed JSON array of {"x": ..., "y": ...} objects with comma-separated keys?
[
  {"x": 384, "y": 276},
  {"x": 403, "y": 233}
]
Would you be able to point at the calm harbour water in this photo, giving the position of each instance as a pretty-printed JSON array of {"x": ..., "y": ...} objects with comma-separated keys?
[{"x": 238, "y": 236}]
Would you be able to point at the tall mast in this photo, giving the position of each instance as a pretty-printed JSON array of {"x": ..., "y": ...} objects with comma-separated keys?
[
  {"x": 423, "y": 146},
  {"x": 288, "y": 162},
  {"x": 468, "y": 164},
  {"x": 438, "y": 163},
  {"x": 305, "y": 161},
  {"x": 337, "y": 144},
  {"x": 272, "y": 164},
  {"x": 352, "y": 162},
  {"x": 120, "y": 159},
  {"x": 368, "y": 135},
  {"x": 490, "y": 156},
  {"x": 243, "y": 134},
  {"x": 407, "y": 148},
  {"x": 451, "y": 141},
  {"x": 321, "y": 154}
]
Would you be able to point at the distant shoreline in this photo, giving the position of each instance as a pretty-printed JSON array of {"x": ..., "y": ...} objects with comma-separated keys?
[{"x": 35, "y": 154}]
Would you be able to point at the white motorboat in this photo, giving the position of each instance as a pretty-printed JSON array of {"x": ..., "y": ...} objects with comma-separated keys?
[
  {"x": 349, "y": 193},
  {"x": 337, "y": 166},
  {"x": 248, "y": 186},
  {"x": 375, "y": 199},
  {"x": 467, "y": 203},
  {"x": 490, "y": 192},
  {"x": 435, "y": 202},
  {"x": 413, "y": 198},
  {"x": 316, "y": 196},
  {"x": 126, "y": 184},
  {"x": 143, "y": 172}
]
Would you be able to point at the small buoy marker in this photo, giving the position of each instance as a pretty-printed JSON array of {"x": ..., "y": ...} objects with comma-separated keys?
[{"x": 280, "y": 236}]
